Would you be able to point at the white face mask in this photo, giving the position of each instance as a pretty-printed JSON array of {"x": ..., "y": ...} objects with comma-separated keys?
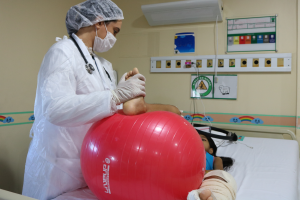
[{"x": 103, "y": 45}]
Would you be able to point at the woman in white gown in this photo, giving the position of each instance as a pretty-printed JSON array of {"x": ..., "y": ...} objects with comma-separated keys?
[{"x": 71, "y": 96}]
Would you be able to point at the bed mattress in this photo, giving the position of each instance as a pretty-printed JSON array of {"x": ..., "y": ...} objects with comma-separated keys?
[{"x": 264, "y": 169}]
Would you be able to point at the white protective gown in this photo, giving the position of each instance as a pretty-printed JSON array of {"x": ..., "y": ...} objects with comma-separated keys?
[{"x": 68, "y": 101}]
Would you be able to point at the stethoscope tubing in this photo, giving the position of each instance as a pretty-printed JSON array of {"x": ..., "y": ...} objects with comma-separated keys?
[{"x": 89, "y": 67}]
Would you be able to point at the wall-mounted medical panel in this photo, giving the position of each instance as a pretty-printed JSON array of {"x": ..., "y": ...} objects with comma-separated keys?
[{"x": 226, "y": 63}]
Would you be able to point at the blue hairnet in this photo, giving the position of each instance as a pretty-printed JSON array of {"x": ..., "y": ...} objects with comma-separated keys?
[{"x": 91, "y": 12}]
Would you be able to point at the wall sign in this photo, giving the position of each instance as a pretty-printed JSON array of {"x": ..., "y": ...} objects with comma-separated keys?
[
  {"x": 206, "y": 87},
  {"x": 251, "y": 34},
  {"x": 184, "y": 43}
]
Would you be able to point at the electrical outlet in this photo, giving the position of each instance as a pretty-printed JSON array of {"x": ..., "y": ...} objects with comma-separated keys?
[
  {"x": 221, "y": 63},
  {"x": 280, "y": 62},
  {"x": 209, "y": 63},
  {"x": 268, "y": 62},
  {"x": 168, "y": 64},
  {"x": 243, "y": 62},
  {"x": 188, "y": 66},
  {"x": 232, "y": 63},
  {"x": 158, "y": 64},
  {"x": 178, "y": 63},
  {"x": 199, "y": 63},
  {"x": 255, "y": 62}
]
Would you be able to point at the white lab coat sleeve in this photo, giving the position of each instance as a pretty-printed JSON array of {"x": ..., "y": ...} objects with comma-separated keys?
[{"x": 63, "y": 107}]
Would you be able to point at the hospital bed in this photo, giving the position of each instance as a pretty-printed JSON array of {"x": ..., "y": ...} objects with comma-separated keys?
[{"x": 264, "y": 168}]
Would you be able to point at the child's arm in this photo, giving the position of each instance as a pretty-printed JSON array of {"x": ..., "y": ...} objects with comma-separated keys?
[{"x": 218, "y": 163}]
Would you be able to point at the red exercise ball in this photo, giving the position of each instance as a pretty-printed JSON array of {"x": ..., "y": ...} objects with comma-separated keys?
[{"x": 152, "y": 156}]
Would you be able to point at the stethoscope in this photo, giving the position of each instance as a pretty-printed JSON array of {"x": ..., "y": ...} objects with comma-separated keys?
[{"x": 88, "y": 66}]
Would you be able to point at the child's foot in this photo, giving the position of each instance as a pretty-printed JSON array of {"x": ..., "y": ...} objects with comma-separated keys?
[
  {"x": 204, "y": 195},
  {"x": 137, "y": 105}
]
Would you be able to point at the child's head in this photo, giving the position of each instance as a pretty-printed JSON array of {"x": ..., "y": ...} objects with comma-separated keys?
[
  {"x": 211, "y": 148},
  {"x": 209, "y": 145}
]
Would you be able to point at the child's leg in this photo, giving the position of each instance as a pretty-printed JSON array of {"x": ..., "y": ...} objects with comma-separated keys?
[
  {"x": 220, "y": 183},
  {"x": 138, "y": 105},
  {"x": 162, "y": 107}
]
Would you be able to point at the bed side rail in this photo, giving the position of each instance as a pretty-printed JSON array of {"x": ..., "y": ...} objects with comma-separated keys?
[{"x": 254, "y": 129}]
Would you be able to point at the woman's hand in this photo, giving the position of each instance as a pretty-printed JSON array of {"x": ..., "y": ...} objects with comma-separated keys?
[{"x": 127, "y": 90}]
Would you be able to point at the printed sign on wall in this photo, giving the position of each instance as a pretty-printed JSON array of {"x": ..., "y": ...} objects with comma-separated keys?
[
  {"x": 184, "y": 43},
  {"x": 202, "y": 86},
  {"x": 251, "y": 34},
  {"x": 226, "y": 87},
  {"x": 206, "y": 87}
]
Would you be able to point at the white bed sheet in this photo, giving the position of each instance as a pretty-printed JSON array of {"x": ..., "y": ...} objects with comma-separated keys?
[{"x": 268, "y": 171}]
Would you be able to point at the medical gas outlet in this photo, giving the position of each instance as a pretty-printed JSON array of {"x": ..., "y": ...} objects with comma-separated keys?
[
  {"x": 255, "y": 62},
  {"x": 279, "y": 62}
]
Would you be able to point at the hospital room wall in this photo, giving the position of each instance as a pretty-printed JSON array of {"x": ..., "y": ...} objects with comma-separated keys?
[
  {"x": 259, "y": 94},
  {"x": 28, "y": 29},
  {"x": 298, "y": 73}
]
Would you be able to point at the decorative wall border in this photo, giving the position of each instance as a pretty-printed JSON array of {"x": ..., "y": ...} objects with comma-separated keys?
[
  {"x": 21, "y": 118},
  {"x": 244, "y": 119},
  {"x": 16, "y": 118},
  {"x": 298, "y": 122}
]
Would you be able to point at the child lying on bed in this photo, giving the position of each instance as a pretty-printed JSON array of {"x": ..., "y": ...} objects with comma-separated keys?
[
  {"x": 221, "y": 184},
  {"x": 212, "y": 161}
]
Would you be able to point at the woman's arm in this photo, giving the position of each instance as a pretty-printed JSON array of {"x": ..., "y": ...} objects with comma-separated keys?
[{"x": 63, "y": 107}]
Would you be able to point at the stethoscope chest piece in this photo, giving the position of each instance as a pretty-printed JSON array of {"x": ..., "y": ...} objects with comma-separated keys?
[{"x": 89, "y": 68}]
